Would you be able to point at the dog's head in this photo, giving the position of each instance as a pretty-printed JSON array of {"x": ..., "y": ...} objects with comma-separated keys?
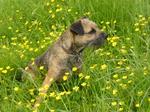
[{"x": 86, "y": 32}]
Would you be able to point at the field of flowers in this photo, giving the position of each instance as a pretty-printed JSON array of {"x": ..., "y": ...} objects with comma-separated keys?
[{"x": 115, "y": 78}]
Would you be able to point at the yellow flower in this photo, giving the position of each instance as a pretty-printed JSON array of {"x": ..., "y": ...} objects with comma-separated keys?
[
  {"x": 84, "y": 84},
  {"x": 108, "y": 87},
  {"x": 149, "y": 99},
  {"x": 51, "y": 79},
  {"x": 8, "y": 67},
  {"x": 19, "y": 103},
  {"x": 5, "y": 98},
  {"x": 115, "y": 76},
  {"x": 130, "y": 81},
  {"x": 62, "y": 93},
  {"x": 43, "y": 88},
  {"x": 21, "y": 56},
  {"x": 114, "y": 44},
  {"x": 136, "y": 24},
  {"x": 32, "y": 100},
  {"x": 132, "y": 74},
  {"x": 47, "y": 3},
  {"x": 9, "y": 27},
  {"x": 103, "y": 28},
  {"x": 4, "y": 71},
  {"x": 17, "y": 31},
  {"x": 103, "y": 67},
  {"x": 11, "y": 69},
  {"x": 26, "y": 68},
  {"x": 65, "y": 77},
  {"x": 37, "y": 105},
  {"x": 26, "y": 24},
  {"x": 124, "y": 86},
  {"x": 58, "y": 97},
  {"x": 92, "y": 67},
  {"x": 114, "y": 103},
  {"x": 124, "y": 51},
  {"x": 108, "y": 53},
  {"x": 16, "y": 89},
  {"x": 69, "y": 10},
  {"x": 87, "y": 77},
  {"x": 118, "y": 80},
  {"x": 42, "y": 94},
  {"x": 137, "y": 29},
  {"x": 114, "y": 91},
  {"x": 68, "y": 92},
  {"x": 120, "y": 62},
  {"x": 76, "y": 88},
  {"x": 121, "y": 103},
  {"x": 81, "y": 75},
  {"x": 4, "y": 46},
  {"x": 31, "y": 91},
  {"x": 114, "y": 38},
  {"x": 32, "y": 62},
  {"x": 121, "y": 109},
  {"x": 28, "y": 105},
  {"x": 102, "y": 22},
  {"x": 35, "y": 110},
  {"x": 53, "y": 94},
  {"x": 115, "y": 22},
  {"x": 140, "y": 16},
  {"x": 52, "y": 110},
  {"x": 46, "y": 87},
  {"x": 107, "y": 23},
  {"x": 1, "y": 69},
  {"x": 137, "y": 105},
  {"x": 128, "y": 68},
  {"x": 53, "y": 27},
  {"x": 31, "y": 49},
  {"x": 36, "y": 49},
  {"x": 140, "y": 93},
  {"x": 67, "y": 73},
  {"x": 52, "y": 0},
  {"x": 3, "y": 36},
  {"x": 41, "y": 67},
  {"x": 74, "y": 69},
  {"x": 53, "y": 15},
  {"x": 124, "y": 77},
  {"x": 50, "y": 11}
]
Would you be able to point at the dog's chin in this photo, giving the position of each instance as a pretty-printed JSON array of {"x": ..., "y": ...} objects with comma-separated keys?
[{"x": 97, "y": 43}]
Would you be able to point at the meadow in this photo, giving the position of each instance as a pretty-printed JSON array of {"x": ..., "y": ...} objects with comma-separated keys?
[{"x": 115, "y": 77}]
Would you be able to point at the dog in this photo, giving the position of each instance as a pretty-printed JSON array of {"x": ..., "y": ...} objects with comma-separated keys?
[{"x": 66, "y": 52}]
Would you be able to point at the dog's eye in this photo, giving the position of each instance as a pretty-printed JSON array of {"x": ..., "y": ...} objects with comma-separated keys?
[{"x": 92, "y": 31}]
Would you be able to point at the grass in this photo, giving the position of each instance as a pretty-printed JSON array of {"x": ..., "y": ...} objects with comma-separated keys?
[{"x": 115, "y": 78}]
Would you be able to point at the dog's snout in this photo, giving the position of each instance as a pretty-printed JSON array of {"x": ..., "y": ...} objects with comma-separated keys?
[{"x": 103, "y": 35}]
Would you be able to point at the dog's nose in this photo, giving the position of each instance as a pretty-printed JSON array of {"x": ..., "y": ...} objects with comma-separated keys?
[{"x": 103, "y": 35}]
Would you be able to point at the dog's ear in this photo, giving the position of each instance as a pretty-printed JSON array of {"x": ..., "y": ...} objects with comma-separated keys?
[
  {"x": 84, "y": 17},
  {"x": 77, "y": 28}
]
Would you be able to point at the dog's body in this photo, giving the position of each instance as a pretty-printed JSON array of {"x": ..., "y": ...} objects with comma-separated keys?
[
  {"x": 57, "y": 57},
  {"x": 66, "y": 52}
]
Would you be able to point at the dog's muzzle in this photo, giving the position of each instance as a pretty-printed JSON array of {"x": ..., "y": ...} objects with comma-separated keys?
[
  {"x": 103, "y": 35},
  {"x": 100, "y": 39}
]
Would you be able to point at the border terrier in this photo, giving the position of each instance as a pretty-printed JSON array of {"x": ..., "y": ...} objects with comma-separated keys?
[{"x": 66, "y": 52}]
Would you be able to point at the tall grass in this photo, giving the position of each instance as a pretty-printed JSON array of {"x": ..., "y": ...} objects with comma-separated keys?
[{"x": 114, "y": 78}]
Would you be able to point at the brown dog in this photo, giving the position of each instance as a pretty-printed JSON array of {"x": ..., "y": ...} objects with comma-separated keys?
[{"x": 66, "y": 52}]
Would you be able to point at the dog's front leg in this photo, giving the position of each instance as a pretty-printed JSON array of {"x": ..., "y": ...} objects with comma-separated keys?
[{"x": 51, "y": 76}]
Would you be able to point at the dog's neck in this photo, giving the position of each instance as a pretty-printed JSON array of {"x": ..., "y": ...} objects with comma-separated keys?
[
  {"x": 73, "y": 50},
  {"x": 68, "y": 44}
]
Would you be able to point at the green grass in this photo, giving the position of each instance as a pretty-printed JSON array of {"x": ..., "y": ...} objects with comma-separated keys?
[{"x": 119, "y": 71}]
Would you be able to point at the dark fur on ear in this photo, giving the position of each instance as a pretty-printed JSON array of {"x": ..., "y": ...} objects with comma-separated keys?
[
  {"x": 84, "y": 17},
  {"x": 77, "y": 28}
]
